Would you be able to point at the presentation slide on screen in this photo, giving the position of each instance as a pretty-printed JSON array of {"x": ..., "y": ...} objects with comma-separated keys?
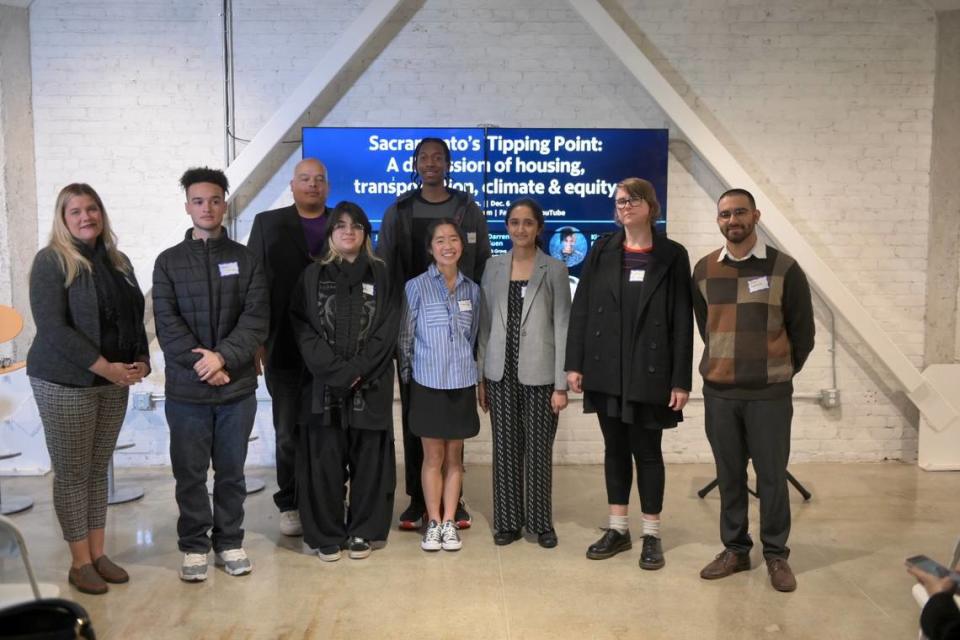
[{"x": 572, "y": 173}]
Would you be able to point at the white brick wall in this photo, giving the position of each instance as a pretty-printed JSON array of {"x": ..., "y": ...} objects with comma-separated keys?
[{"x": 828, "y": 106}]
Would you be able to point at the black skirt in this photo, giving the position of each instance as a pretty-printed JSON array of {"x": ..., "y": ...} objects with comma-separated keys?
[{"x": 450, "y": 414}]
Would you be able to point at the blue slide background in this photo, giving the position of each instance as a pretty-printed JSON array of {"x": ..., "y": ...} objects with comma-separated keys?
[{"x": 356, "y": 166}]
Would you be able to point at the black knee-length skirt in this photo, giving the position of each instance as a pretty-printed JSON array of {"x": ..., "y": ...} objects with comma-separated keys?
[{"x": 450, "y": 414}]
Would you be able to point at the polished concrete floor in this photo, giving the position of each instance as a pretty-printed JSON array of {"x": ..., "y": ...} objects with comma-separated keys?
[{"x": 848, "y": 545}]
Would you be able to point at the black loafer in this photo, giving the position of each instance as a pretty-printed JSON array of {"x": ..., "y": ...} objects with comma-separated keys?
[
  {"x": 501, "y": 538},
  {"x": 612, "y": 543},
  {"x": 547, "y": 539},
  {"x": 651, "y": 557}
]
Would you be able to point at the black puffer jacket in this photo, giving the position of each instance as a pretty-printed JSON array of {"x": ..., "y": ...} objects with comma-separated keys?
[{"x": 212, "y": 295}]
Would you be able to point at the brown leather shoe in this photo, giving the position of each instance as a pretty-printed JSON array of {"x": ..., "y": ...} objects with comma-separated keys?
[
  {"x": 781, "y": 575},
  {"x": 87, "y": 580},
  {"x": 110, "y": 571},
  {"x": 726, "y": 564}
]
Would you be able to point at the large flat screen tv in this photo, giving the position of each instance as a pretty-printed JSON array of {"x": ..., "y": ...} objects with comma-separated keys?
[{"x": 572, "y": 173}]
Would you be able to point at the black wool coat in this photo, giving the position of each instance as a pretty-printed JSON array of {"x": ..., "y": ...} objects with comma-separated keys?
[
  {"x": 278, "y": 241},
  {"x": 660, "y": 356}
]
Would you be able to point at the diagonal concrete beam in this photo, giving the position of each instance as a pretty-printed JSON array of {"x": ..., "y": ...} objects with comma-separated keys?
[
  {"x": 287, "y": 119},
  {"x": 288, "y": 116},
  {"x": 926, "y": 394}
]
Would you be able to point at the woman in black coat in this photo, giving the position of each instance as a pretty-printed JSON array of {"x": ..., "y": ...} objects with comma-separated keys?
[
  {"x": 346, "y": 316},
  {"x": 630, "y": 351}
]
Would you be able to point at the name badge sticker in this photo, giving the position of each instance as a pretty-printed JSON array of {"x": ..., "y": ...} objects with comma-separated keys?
[
  {"x": 637, "y": 275},
  {"x": 229, "y": 269},
  {"x": 758, "y": 284},
  {"x": 465, "y": 305},
  {"x": 471, "y": 237},
  {"x": 367, "y": 289}
]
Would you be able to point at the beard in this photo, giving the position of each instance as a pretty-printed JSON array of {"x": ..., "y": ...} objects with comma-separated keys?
[{"x": 738, "y": 234}]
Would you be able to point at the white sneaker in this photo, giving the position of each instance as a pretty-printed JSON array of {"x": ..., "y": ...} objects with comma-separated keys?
[
  {"x": 194, "y": 567},
  {"x": 234, "y": 561},
  {"x": 327, "y": 554},
  {"x": 431, "y": 537},
  {"x": 449, "y": 538},
  {"x": 290, "y": 523}
]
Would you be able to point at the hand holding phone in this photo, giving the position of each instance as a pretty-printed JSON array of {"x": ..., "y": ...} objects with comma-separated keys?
[{"x": 934, "y": 577}]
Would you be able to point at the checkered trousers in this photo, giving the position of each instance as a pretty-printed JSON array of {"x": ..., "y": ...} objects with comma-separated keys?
[{"x": 81, "y": 425}]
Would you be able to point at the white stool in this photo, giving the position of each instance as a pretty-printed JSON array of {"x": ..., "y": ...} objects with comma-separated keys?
[
  {"x": 13, "y": 504},
  {"x": 123, "y": 494}
]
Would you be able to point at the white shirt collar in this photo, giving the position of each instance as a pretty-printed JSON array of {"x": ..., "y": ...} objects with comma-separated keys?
[{"x": 758, "y": 251}]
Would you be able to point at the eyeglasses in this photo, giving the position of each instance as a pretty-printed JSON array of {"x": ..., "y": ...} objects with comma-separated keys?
[
  {"x": 623, "y": 203},
  {"x": 726, "y": 214},
  {"x": 343, "y": 226}
]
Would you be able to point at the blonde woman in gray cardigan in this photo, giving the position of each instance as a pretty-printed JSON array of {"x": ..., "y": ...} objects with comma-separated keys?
[
  {"x": 525, "y": 306},
  {"x": 89, "y": 348}
]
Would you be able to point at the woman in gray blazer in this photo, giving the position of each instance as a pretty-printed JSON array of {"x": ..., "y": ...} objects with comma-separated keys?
[
  {"x": 525, "y": 306},
  {"x": 89, "y": 348}
]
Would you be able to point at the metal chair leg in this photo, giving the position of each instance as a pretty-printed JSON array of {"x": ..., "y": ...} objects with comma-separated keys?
[
  {"x": 13, "y": 504},
  {"x": 123, "y": 494}
]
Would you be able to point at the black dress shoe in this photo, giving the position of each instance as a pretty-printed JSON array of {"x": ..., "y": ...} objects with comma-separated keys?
[
  {"x": 651, "y": 557},
  {"x": 612, "y": 543},
  {"x": 547, "y": 539},
  {"x": 502, "y": 538}
]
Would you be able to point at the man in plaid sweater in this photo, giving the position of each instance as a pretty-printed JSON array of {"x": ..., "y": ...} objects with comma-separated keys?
[{"x": 753, "y": 308}]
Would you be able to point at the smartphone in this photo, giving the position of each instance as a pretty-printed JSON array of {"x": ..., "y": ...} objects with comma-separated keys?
[{"x": 933, "y": 568}]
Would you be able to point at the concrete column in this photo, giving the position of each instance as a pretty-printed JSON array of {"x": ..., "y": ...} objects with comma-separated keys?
[
  {"x": 942, "y": 339},
  {"x": 18, "y": 180}
]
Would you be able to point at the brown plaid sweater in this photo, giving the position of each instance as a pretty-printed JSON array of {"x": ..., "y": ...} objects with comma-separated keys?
[{"x": 756, "y": 321}]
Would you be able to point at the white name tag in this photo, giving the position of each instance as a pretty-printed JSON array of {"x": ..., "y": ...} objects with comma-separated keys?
[
  {"x": 471, "y": 237},
  {"x": 637, "y": 275},
  {"x": 523, "y": 291},
  {"x": 465, "y": 305},
  {"x": 758, "y": 284},
  {"x": 229, "y": 269},
  {"x": 367, "y": 288}
]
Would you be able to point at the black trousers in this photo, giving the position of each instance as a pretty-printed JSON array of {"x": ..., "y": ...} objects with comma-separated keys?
[
  {"x": 740, "y": 430},
  {"x": 524, "y": 428},
  {"x": 284, "y": 389},
  {"x": 329, "y": 457},
  {"x": 621, "y": 442},
  {"x": 412, "y": 449}
]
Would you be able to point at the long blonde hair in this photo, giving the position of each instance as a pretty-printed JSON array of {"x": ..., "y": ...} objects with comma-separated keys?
[{"x": 65, "y": 247}]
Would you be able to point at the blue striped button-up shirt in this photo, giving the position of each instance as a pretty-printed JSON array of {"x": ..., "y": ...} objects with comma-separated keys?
[{"x": 438, "y": 331}]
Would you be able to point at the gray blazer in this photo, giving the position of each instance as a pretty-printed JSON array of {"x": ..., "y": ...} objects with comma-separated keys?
[{"x": 543, "y": 321}]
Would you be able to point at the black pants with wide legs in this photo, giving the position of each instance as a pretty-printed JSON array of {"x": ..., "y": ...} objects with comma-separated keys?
[{"x": 327, "y": 459}]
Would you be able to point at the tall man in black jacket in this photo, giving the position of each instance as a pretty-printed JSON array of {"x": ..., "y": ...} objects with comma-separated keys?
[
  {"x": 211, "y": 307},
  {"x": 753, "y": 308},
  {"x": 285, "y": 240}
]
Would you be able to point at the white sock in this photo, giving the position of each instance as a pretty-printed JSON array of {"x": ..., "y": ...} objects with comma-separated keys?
[
  {"x": 650, "y": 527},
  {"x": 620, "y": 524}
]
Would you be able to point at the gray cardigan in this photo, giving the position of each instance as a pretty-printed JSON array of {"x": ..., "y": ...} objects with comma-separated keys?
[
  {"x": 543, "y": 321},
  {"x": 68, "y": 323}
]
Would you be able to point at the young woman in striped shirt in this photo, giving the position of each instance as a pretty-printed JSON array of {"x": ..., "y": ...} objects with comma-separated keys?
[{"x": 437, "y": 336}]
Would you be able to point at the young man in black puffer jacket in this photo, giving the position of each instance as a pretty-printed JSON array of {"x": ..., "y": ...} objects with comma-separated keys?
[{"x": 212, "y": 311}]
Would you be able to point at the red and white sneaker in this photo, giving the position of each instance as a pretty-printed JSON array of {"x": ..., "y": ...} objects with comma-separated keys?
[{"x": 413, "y": 517}]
